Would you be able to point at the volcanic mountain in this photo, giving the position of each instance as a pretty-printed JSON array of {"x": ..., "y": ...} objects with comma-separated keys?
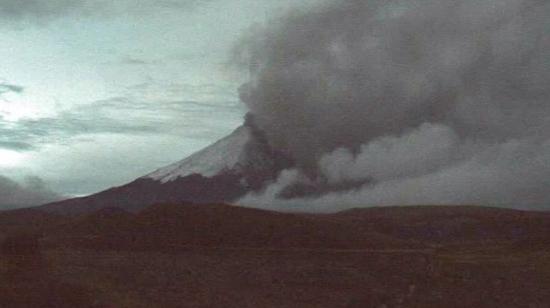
[{"x": 221, "y": 173}]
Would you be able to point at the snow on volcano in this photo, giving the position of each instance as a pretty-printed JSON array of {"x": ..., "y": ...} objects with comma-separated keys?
[
  {"x": 226, "y": 154},
  {"x": 225, "y": 171}
]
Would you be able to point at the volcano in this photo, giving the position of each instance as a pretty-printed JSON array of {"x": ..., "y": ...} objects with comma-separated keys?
[{"x": 223, "y": 172}]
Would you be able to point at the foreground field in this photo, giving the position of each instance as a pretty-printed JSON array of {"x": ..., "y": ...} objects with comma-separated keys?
[{"x": 470, "y": 263}]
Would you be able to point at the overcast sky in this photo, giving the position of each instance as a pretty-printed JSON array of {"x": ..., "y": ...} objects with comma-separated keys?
[{"x": 94, "y": 94}]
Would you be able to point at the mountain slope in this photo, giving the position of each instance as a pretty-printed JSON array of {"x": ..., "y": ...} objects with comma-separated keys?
[
  {"x": 221, "y": 173},
  {"x": 186, "y": 255},
  {"x": 228, "y": 153},
  {"x": 179, "y": 226}
]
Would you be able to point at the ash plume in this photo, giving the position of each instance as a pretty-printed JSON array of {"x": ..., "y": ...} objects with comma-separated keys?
[{"x": 419, "y": 101}]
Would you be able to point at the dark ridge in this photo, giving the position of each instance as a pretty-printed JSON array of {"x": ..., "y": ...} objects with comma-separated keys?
[
  {"x": 447, "y": 224},
  {"x": 27, "y": 219},
  {"x": 144, "y": 192},
  {"x": 166, "y": 255},
  {"x": 177, "y": 227}
]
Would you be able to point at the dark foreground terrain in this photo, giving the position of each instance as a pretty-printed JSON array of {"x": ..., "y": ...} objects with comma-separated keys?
[{"x": 223, "y": 256}]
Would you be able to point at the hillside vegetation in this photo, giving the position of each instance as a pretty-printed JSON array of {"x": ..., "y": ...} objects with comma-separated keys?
[{"x": 225, "y": 256}]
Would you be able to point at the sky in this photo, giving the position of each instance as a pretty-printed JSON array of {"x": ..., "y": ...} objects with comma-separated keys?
[{"x": 96, "y": 93}]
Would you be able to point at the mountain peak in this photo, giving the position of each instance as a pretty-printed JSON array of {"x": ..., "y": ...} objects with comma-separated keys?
[
  {"x": 222, "y": 172},
  {"x": 225, "y": 154}
]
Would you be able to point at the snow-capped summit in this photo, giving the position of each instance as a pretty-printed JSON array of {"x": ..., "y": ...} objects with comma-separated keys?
[
  {"x": 222, "y": 172},
  {"x": 245, "y": 153}
]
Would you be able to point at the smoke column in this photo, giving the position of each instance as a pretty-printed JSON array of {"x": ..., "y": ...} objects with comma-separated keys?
[{"x": 420, "y": 101}]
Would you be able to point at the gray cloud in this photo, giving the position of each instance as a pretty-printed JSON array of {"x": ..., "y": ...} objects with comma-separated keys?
[
  {"x": 16, "y": 145},
  {"x": 134, "y": 61},
  {"x": 32, "y": 191},
  {"x": 28, "y": 134},
  {"x": 133, "y": 114},
  {"x": 418, "y": 152},
  {"x": 513, "y": 174},
  {"x": 421, "y": 101},
  {"x": 47, "y": 10},
  {"x": 6, "y": 88}
]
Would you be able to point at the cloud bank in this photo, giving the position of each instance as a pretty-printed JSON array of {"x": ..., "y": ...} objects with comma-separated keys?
[
  {"x": 412, "y": 102},
  {"x": 132, "y": 115},
  {"x": 33, "y": 191},
  {"x": 40, "y": 10},
  {"x": 6, "y": 88}
]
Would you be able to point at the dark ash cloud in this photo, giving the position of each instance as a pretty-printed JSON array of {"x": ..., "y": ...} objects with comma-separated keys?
[
  {"x": 32, "y": 191},
  {"x": 421, "y": 101}
]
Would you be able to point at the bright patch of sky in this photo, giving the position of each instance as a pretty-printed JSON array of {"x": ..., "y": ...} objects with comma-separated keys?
[{"x": 94, "y": 97}]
